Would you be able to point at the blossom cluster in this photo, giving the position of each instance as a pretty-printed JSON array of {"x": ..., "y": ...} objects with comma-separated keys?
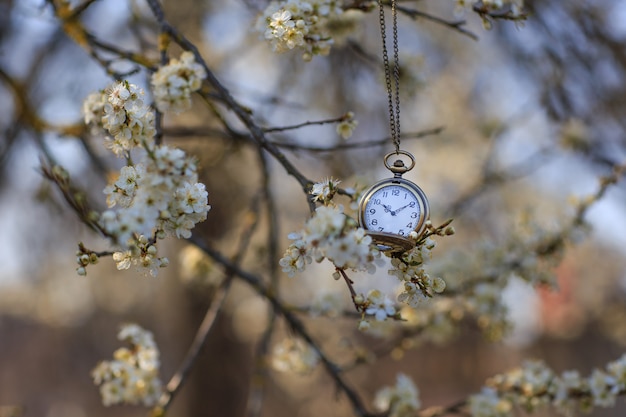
[
  {"x": 438, "y": 320},
  {"x": 534, "y": 386},
  {"x": 173, "y": 83},
  {"x": 161, "y": 193},
  {"x": 409, "y": 269},
  {"x": 475, "y": 283},
  {"x": 301, "y": 24},
  {"x": 121, "y": 111},
  {"x": 332, "y": 235},
  {"x": 132, "y": 377},
  {"x": 157, "y": 197},
  {"x": 401, "y": 400},
  {"x": 294, "y": 355}
]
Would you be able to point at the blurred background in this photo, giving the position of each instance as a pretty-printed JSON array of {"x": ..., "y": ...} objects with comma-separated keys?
[{"x": 532, "y": 114}]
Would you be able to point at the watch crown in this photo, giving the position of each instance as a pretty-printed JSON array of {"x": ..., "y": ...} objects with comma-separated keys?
[{"x": 398, "y": 168}]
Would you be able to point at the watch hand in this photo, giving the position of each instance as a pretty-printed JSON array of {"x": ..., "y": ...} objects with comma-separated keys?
[
  {"x": 402, "y": 208},
  {"x": 388, "y": 209}
]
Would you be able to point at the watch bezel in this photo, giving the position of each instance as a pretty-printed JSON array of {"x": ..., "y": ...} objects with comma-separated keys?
[
  {"x": 411, "y": 187},
  {"x": 390, "y": 242}
]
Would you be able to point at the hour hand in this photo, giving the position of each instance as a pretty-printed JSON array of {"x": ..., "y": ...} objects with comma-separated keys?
[{"x": 388, "y": 209}]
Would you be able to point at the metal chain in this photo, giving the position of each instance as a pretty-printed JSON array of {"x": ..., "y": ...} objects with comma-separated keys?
[{"x": 393, "y": 100}]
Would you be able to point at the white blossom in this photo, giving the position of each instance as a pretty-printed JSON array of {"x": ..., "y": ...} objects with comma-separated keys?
[
  {"x": 295, "y": 258},
  {"x": 345, "y": 128},
  {"x": 325, "y": 190},
  {"x": 379, "y": 305},
  {"x": 143, "y": 256}
]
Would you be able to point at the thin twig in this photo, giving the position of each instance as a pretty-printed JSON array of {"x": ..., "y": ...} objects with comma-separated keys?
[
  {"x": 439, "y": 411},
  {"x": 183, "y": 131},
  {"x": 307, "y": 123},
  {"x": 492, "y": 178},
  {"x": 350, "y": 285},
  {"x": 260, "y": 373},
  {"x": 455, "y": 25},
  {"x": 175, "y": 383},
  {"x": 199, "y": 340},
  {"x": 358, "y": 145}
]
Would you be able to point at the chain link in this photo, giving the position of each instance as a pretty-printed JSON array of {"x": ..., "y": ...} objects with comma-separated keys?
[{"x": 393, "y": 96}]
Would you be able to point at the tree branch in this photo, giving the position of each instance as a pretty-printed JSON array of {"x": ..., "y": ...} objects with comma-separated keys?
[
  {"x": 294, "y": 322},
  {"x": 241, "y": 112}
]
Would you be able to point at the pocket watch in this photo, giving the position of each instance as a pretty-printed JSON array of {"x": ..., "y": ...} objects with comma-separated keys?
[{"x": 393, "y": 208}]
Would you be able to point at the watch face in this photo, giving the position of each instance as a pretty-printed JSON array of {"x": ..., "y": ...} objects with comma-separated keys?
[{"x": 394, "y": 207}]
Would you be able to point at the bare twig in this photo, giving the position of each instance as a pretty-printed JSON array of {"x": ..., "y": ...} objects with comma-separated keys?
[
  {"x": 175, "y": 383},
  {"x": 260, "y": 373},
  {"x": 358, "y": 145},
  {"x": 491, "y": 178},
  {"x": 455, "y": 25},
  {"x": 307, "y": 123}
]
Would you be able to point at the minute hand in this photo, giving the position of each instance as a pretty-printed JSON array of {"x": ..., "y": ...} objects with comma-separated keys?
[{"x": 403, "y": 207}]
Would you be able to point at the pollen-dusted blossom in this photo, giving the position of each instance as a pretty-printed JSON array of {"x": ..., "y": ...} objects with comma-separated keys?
[
  {"x": 379, "y": 306},
  {"x": 132, "y": 377},
  {"x": 324, "y": 191}
]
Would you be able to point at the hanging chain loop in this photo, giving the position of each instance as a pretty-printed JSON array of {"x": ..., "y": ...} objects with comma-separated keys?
[{"x": 393, "y": 96}]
